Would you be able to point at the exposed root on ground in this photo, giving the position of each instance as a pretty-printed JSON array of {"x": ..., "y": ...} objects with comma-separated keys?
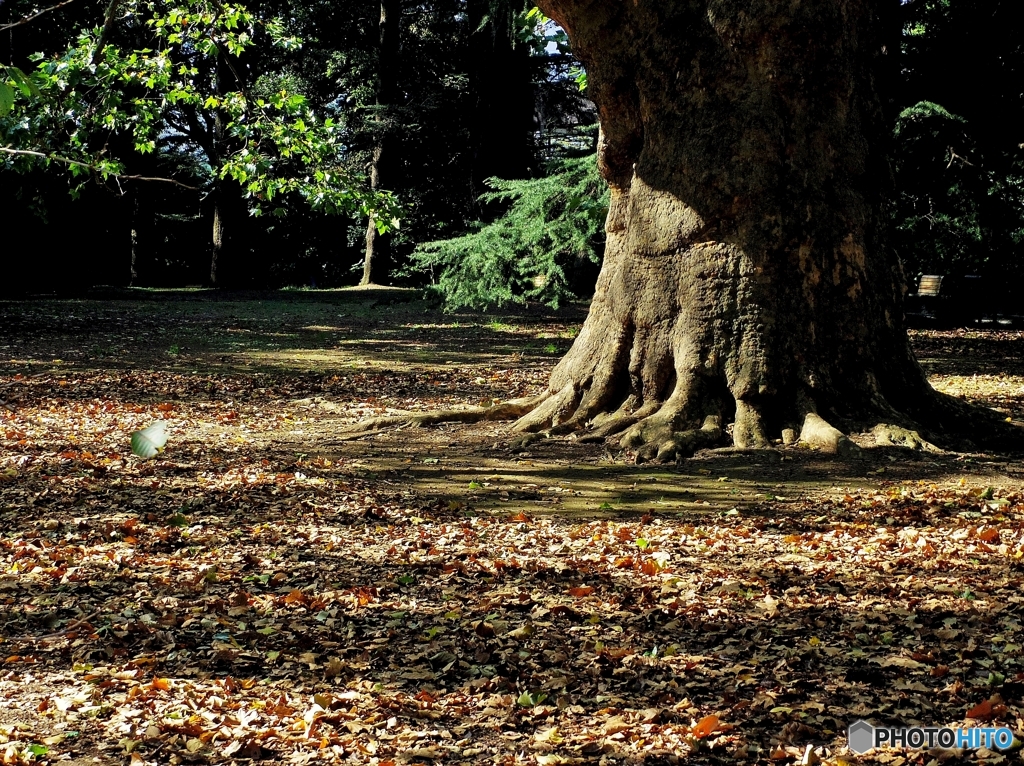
[
  {"x": 664, "y": 401},
  {"x": 662, "y": 431},
  {"x": 693, "y": 417},
  {"x": 672, "y": 445},
  {"x": 510, "y": 410},
  {"x": 889, "y": 435},
  {"x": 819, "y": 433}
]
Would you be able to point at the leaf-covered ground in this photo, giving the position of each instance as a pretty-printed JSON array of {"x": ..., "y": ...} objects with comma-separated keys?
[{"x": 267, "y": 590}]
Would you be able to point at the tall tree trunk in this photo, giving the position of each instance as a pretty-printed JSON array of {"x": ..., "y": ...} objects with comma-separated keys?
[
  {"x": 378, "y": 246},
  {"x": 228, "y": 236},
  {"x": 229, "y": 206},
  {"x": 217, "y": 238},
  {"x": 746, "y": 276},
  {"x": 133, "y": 274}
]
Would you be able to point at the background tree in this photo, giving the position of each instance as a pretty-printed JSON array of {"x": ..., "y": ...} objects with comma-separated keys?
[
  {"x": 480, "y": 91},
  {"x": 98, "y": 105},
  {"x": 386, "y": 98},
  {"x": 545, "y": 247},
  {"x": 542, "y": 236},
  {"x": 959, "y": 206}
]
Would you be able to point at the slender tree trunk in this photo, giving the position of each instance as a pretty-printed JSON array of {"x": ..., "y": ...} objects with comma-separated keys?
[
  {"x": 133, "y": 274},
  {"x": 217, "y": 239},
  {"x": 378, "y": 246},
  {"x": 746, "y": 278},
  {"x": 229, "y": 206}
]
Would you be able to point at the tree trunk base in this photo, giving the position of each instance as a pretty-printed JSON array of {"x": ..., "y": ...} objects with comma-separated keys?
[
  {"x": 653, "y": 438},
  {"x": 695, "y": 351}
]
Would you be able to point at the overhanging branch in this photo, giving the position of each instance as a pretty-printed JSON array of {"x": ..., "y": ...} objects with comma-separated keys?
[
  {"x": 35, "y": 15},
  {"x": 95, "y": 168}
]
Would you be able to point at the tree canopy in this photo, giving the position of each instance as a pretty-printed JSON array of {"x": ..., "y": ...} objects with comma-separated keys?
[{"x": 482, "y": 90}]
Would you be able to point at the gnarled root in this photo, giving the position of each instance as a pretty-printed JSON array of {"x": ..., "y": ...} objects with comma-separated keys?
[
  {"x": 550, "y": 410},
  {"x": 660, "y": 442},
  {"x": 819, "y": 433},
  {"x": 510, "y": 410},
  {"x": 889, "y": 435},
  {"x": 523, "y": 442}
]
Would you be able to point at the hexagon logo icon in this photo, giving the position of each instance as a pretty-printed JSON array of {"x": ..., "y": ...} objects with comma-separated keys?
[{"x": 861, "y": 736}]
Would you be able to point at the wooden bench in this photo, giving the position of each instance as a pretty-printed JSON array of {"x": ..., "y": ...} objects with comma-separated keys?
[
  {"x": 930, "y": 286},
  {"x": 948, "y": 299}
]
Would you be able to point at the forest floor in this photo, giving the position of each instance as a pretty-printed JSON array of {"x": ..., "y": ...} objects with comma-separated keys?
[{"x": 265, "y": 589}]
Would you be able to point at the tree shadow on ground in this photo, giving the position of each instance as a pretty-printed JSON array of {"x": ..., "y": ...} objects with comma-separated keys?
[
  {"x": 264, "y": 588},
  {"x": 404, "y": 630},
  {"x": 970, "y": 351}
]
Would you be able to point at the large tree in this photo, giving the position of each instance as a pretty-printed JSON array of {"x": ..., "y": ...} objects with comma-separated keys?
[{"x": 747, "y": 277}]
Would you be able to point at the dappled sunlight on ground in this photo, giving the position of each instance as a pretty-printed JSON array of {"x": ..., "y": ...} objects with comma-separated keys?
[{"x": 265, "y": 589}]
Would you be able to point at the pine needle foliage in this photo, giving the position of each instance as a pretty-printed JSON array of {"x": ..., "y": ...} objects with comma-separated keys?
[
  {"x": 553, "y": 228},
  {"x": 941, "y": 192}
]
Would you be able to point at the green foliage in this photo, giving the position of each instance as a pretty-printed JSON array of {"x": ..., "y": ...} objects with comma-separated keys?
[
  {"x": 554, "y": 224},
  {"x": 95, "y": 104},
  {"x": 542, "y": 34},
  {"x": 936, "y": 214},
  {"x": 470, "y": 83},
  {"x": 958, "y": 156},
  {"x": 12, "y": 81}
]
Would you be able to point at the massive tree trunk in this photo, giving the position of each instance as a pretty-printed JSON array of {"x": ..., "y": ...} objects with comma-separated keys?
[
  {"x": 747, "y": 292},
  {"x": 746, "y": 277}
]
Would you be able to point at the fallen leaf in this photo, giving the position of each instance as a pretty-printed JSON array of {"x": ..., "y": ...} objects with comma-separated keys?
[
  {"x": 981, "y": 712},
  {"x": 706, "y": 726}
]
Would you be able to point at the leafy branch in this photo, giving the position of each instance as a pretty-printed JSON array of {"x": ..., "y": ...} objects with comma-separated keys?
[
  {"x": 553, "y": 225},
  {"x": 106, "y": 171},
  {"x": 32, "y": 17},
  {"x": 95, "y": 106}
]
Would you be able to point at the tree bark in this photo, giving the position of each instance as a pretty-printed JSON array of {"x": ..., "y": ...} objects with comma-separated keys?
[
  {"x": 133, "y": 273},
  {"x": 228, "y": 235},
  {"x": 378, "y": 246},
  {"x": 746, "y": 278},
  {"x": 217, "y": 238},
  {"x": 229, "y": 206}
]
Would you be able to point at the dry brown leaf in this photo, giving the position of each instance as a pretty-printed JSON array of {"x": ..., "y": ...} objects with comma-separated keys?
[
  {"x": 705, "y": 726},
  {"x": 981, "y": 712}
]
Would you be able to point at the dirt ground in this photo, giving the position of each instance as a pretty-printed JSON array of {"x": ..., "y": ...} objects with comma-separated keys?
[{"x": 268, "y": 588}]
